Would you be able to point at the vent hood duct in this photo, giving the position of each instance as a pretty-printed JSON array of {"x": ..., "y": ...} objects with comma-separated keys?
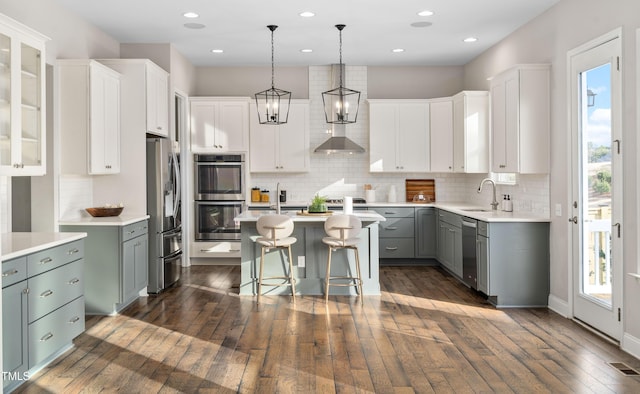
[{"x": 338, "y": 142}]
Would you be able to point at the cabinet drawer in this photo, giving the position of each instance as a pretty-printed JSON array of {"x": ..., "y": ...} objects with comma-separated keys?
[
  {"x": 397, "y": 228},
  {"x": 13, "y": 271},
  {"x": 395, "y": 212},
  {"x": 483, "y": 228},
  {"x": 52, "y": 332},
  {"x": 396, "y": 248},
  {"x": 49, "y": 259},
  {"x": 51, "y": 290},
  {"x": 450, "y": 218},
  {"x": 134, "y": 230}
]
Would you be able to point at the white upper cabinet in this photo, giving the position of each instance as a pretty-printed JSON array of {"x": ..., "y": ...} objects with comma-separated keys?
[
  {"x": 471, "y": 132},
  {"x": 219, "y": 124},
  {"x": 281, "y": 148},
  {"x": 145, "y": 86},
  {"x": 89, "y": 108},
  {"x": 157, "y": 100},
  {"x": 22, "y": 100},
  {"x": 398, "y": 135},
  {"x": 441, "y": 132},
  {"x": 520, "y": 120}
]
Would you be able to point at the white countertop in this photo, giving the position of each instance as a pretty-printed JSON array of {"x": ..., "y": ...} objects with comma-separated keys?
[
  {"x": 20, "y": 244},
  {"x": 252, "y": 216},
  {"x": 121, "y": 220},
  {"x": 459, "y": 208}
]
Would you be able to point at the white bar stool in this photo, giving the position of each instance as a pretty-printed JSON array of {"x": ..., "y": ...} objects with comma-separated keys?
[
  {"x": 342, "y": 233},
  {"x": 275, "y": 231}
]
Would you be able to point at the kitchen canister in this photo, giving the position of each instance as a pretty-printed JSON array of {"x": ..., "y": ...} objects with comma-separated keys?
[
  {"x": 348, "y": 205},
  {"x": 370, "y": 195},
  {"x": 392, "y": 196}
]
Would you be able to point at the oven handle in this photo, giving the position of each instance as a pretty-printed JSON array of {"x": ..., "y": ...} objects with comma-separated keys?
[
  {"x": 217, "y": 202},
  {"x": 220, "y": 163}
]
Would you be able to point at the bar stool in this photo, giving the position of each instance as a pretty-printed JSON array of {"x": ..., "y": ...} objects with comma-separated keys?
[
  {"x": 275, "y": 231},
  {"x": 342, "y": 233}
]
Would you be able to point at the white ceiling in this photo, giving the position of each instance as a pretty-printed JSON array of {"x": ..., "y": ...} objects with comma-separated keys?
[{"x": 374, "y": 28}]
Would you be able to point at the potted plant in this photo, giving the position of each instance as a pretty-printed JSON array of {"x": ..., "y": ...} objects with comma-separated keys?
[{"x": 318, "y": 204}]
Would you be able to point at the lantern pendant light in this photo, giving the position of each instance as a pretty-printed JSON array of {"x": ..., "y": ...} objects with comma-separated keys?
[
  {"x": 341, "y": 104},
  {"x": 273, "y": 104}
]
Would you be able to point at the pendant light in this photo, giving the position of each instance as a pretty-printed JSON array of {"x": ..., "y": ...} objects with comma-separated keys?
[
  {"x": 341, "y": 104},
  {"x": 273, "y": 104}
]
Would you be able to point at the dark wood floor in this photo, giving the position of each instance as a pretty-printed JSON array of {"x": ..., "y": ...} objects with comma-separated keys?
[{"x": 425, "y": 333}]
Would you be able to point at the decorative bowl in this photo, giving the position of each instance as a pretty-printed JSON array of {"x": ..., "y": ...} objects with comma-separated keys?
[{"x": 103, "y": 211}]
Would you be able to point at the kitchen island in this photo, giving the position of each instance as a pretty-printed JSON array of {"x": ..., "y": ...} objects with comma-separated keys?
[{"x": 310, "y": 255}]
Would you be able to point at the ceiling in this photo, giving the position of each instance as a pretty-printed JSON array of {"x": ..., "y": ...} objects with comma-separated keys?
[{"x": 373, "y": 28}]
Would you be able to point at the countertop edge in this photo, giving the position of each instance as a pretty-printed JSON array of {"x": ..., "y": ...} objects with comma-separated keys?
[
  {"x": 36, "y": 242},
  {"x": 103, "y": 221}
]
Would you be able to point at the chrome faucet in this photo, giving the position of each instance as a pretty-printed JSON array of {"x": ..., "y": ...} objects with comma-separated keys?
[{"x": 494, "y": 203}]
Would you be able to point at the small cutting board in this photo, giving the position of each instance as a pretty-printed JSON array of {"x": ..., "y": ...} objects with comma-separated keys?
[
  {"x": 415, "y": 186},
  {"x": 307, "y": 213}
]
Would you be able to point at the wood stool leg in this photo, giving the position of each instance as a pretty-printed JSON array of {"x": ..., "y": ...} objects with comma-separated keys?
[
  {"x": 326, "y": 286},
  {"x": 260, "y": 276},
  {"x": 359, "y": 280},
  {"x": 292, "y": 281}
]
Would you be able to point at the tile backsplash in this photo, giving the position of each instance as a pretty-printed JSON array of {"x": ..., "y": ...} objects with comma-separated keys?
[{"x": 339, "y": 175}]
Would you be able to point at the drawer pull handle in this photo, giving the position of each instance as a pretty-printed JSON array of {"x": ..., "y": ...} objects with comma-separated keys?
[
  {"x": 234, "y": 250},
  {"x": 131, "y": 232},
  {"x": 391, "y": 228},
  {"x": 73, "y": 251},
  {"x": 73, "y": 281},
  {"x": 74, "y": 320},
  {"x": 9, "y": 273},
  {"x": 391, "y": 248},
  {"x": 46, "y": 260},
  {"x": 46, "y": 337},
  {"x": 46, "y": 294},
  {"x": 390, "y": 213}
]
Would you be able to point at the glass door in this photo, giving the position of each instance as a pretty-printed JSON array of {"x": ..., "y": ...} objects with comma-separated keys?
[
  {"x": 31, "y": 105},
  {"x": 597, "y": 185},
  {"x": 5, "y": 100}
]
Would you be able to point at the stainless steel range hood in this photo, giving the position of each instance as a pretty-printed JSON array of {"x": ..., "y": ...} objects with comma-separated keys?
[{"x": 338, "y": 142}]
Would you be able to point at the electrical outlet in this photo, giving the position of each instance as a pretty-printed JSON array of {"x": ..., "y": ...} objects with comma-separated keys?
[
  {"x": 558, "y": 209},
  {"x": 301, "y": 261}
]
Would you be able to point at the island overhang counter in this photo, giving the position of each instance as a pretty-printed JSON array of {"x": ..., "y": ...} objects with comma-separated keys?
[{"x": 309, "y": 256}]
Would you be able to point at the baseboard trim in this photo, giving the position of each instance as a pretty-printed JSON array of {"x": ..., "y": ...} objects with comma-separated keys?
[
  {"x": 631, "y": 345},
  {"x": 559, "y": 306}
]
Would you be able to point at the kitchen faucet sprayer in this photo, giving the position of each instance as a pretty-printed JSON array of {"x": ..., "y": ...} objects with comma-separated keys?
[{"x": 494, "y": 203}]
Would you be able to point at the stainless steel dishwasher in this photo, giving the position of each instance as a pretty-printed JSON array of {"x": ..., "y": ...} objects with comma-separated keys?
[{"x": 469, "y": 257}]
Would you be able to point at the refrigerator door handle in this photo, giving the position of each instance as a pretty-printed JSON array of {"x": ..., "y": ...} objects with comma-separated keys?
[{"x": 176, "y": 168}]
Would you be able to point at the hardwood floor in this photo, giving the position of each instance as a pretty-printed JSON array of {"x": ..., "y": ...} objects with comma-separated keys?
[{"x": 425, "y": 333}]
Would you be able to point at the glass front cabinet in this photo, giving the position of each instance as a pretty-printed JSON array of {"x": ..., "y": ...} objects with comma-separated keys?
[{"x": 22, "y": 100}]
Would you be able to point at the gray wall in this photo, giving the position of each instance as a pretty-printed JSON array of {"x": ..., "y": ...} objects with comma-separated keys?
[
  {"x": 247, "y": 81},
  {"x": 547, "y": 39},
  {"x": 414, "y": 82}
]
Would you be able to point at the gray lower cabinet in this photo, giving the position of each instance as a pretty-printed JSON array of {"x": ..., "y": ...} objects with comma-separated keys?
[
  {"x": 42, "y": 308},
  {"x": 426, "y": 237},
  {"x": 397, "y": 232},
  {"x": 449, "y": 252},
  {"x": 116, "y": 265},
  {"x": 515, "y": 256}
]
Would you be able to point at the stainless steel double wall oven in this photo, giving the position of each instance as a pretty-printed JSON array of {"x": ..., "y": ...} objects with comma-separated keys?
[{"x": 219, "y": 194}]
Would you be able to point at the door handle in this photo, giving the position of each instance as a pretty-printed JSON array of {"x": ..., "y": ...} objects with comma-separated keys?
[
  {"x": 574, "y": 219},
  {"x": 618, "y": 226}
]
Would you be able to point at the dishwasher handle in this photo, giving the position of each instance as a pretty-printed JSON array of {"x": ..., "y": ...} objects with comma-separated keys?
[{"x": 473, "y": 224}]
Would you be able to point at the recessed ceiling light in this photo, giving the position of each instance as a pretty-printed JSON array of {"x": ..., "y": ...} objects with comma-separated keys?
[
  {"x": 194, "y": 26},
  {"x": 397, "y": 50},
  {"x": 307, "y": 14},
  {"x": 217, "y": 50},
  {"x": 425, "y": 13},
  {"x": 470, "y": 39},
  {"x": 421, "y": 24},
  {"x": 306, "y": 50},
  {"x": 190, "y": 15}
]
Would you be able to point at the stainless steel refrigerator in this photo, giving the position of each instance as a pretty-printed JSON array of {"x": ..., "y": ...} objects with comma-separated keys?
[{"x": 163, "y": 207}]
